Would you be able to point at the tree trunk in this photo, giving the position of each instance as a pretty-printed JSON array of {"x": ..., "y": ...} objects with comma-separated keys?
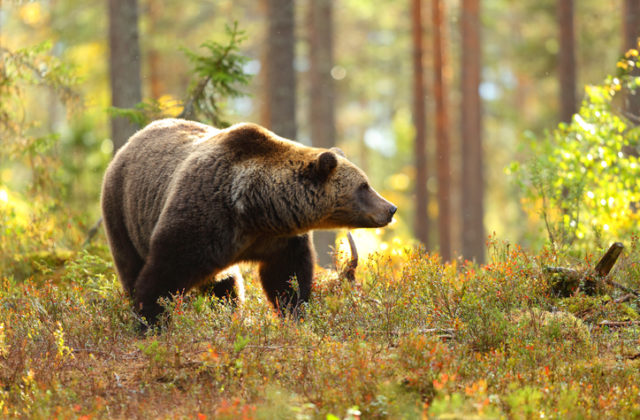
[
  {"x": 321, "y": 106},
  {"x": 631, "y": 28},
  {"x": 156, "y": 86},
  {"x": 263, "y": 77},
  {"x": 280, "y": 84},
  {"x": 631, "y": 24},
  {"x": 421, "y": 222},
  {"x": 566, "y": 60},
  {"x": 442, "y": 132},
  {"x": 473, "y": 234},
  {"x": 124, "y": 63}
]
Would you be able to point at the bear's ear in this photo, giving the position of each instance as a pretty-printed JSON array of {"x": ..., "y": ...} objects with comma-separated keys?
[
  {"x": 324, "y": 165},
  {"x": 338, "y": 151}
]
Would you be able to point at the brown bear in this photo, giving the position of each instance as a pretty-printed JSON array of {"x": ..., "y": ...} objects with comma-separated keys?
[{"x": 183, "y": 201}]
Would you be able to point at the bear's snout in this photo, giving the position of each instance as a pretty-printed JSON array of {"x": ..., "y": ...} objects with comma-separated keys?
[
  {"x": 390, "y": 212},
  {"x": 384, "y": 213}
]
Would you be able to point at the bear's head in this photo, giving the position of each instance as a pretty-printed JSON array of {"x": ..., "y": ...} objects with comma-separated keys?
[{"x": 350, "y": 200}]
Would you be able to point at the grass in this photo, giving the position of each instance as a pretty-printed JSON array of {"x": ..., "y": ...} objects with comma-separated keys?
[{"x": 412, "y": 338}]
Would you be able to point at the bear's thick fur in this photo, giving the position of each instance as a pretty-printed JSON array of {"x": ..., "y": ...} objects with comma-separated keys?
[{"x": 183, "y": 201}]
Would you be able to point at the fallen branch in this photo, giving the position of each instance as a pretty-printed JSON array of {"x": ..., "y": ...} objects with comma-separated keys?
[
  {"x": 107, "y": 354},
  {"x": 605, "y": 265},
  {"x": 441, "y": 333},
  {"x": 625, "y": 298},
  {"x": 623, "y": 288},
  {"x": 617, "y": 324},
  {"x": 92, "y": 232},
  {"x": 349, "y": 271}
]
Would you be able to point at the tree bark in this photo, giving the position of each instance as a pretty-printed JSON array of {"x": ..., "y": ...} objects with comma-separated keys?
[
  {"x": 322, "y": 103},
  {"x": 631, "y": 29},
  {"x": 472, "y": 200},
  {"x": 124, "y": 63},
  {"x": 631, "y": 24},
  {"x": 156, "y": 85},
  {"x": 280, "y": 84},
  {"x": 421, "y": 222},
  {"x": 566, "y": 60},
  {"x": 442, "y": 132}
]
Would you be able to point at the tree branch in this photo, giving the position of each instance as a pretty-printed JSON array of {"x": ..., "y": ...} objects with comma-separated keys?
[{"x": 349, "y": 271}]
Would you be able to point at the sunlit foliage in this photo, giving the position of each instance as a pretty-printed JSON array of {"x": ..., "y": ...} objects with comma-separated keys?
[
  {"x": 32, "y": 219},
  {"x": 583, "y": 180}
]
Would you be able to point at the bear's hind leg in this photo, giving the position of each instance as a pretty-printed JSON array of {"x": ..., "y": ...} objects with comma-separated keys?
[
  {"x": 125, "y": 256},
  {"x": 294, "y": 259},
  {"x": 128, "y": 264}
]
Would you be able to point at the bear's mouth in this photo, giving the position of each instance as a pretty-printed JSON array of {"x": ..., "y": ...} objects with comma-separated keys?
[
  {"x": 382, "y": 222},
  {"x": 386, "y": 217},
  {"x": 373, "y": 222}
]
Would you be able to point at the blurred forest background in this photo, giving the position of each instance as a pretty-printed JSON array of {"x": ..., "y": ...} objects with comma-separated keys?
[{"x": 446, "y": 105}]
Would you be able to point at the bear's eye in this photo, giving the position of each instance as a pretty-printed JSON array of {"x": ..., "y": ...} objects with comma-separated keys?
[{"x": 364, "y": 186}]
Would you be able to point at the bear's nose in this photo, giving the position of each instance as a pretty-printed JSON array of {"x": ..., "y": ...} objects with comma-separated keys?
[{"x": 392, "y": 210}]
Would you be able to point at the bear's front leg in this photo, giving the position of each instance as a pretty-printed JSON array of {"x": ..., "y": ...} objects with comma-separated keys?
[
  {"x": 172, "y": 267},
  {"x": 293, "y": 258}
]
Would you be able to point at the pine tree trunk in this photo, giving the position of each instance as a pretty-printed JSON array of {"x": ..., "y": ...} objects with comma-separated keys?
[
  {"x": 631, "y": 28},
  {"x": 156, "y": 85},
  {"x": 473, "y": 233},
  {"x": 280, "y": 87},
  {"x": 566, "y": 60},
  {"x": 631, "y": 24},
  {"x": 321, "y": 103},
  {"x": 442, "y": 132},
  {"x": 124, "y": 62},
  {"x": 421, "y": 222}
]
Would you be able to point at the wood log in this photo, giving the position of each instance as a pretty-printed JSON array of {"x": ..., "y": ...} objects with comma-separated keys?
[
  {"x": 607, "y": 261},
  {"x": 569, "y": 280},
  {"x": 605, "y": 265}
]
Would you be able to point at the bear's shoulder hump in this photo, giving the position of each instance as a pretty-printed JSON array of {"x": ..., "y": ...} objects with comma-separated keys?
[{"x": 252, "y": 139}]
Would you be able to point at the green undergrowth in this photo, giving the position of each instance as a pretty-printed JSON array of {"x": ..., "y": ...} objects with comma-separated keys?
[{"x": 411, "y": 337}]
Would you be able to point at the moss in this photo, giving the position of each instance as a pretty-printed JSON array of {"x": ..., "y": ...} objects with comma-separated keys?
[
  {"x": 553, "y": 326},
  {"x": 38, "y": 262},
  {"x": 593, "y": 309}
]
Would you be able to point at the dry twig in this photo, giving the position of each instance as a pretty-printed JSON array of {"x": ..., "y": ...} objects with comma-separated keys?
[
  {"x": 349, "y": 271},
  {"x": 617, "y": 324}
]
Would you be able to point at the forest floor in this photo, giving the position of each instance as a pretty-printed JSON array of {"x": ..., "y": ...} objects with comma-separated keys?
[{"x": 410, "y": 338}]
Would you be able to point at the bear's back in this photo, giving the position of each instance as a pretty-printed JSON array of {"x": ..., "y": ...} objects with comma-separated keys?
[{"x": 145, "y": 167}]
